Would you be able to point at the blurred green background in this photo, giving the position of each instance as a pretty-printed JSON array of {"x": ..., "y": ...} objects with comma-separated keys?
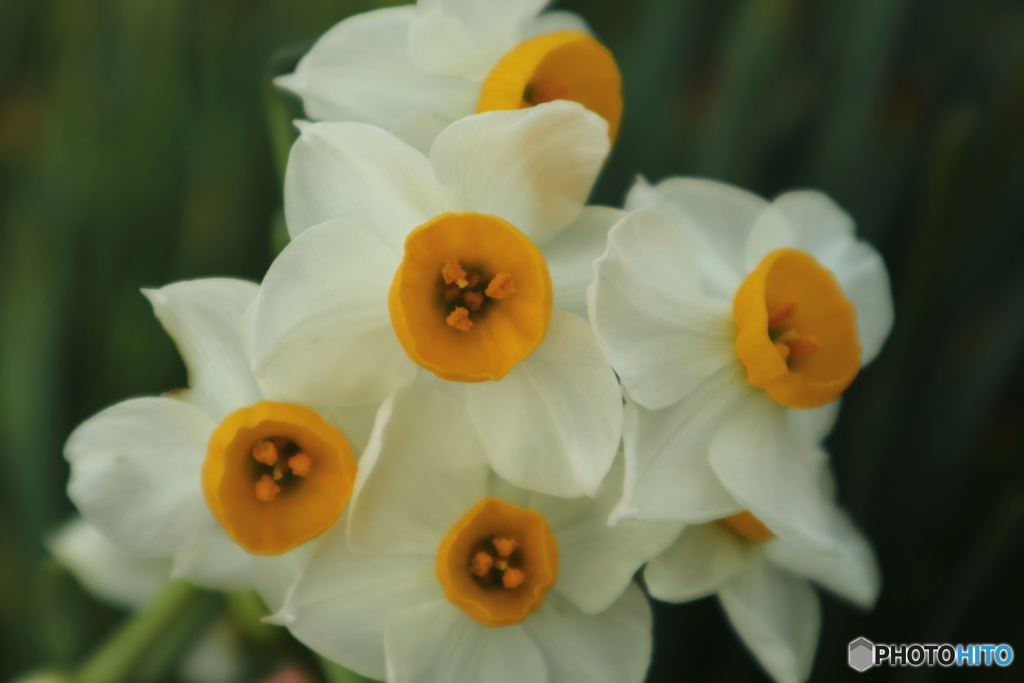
[{"x": 140, "y": 143}]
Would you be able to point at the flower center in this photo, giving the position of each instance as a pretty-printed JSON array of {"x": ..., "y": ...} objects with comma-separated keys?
[
  {"x": 276, "y": 475},
  {"x": 796, "y": 333},
  {"x": 471, "y": 298},
  {"x": 749, "y": 527},
  {"x": 561, "y": 65},
  {"x": 278, "y": 462},
  {"x": 466, "y": 293},
  {"x": 497, "y": 563}
]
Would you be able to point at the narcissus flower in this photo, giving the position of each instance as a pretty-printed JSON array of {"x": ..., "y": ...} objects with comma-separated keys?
[
  {"x": 222, "y": 471},
  {"x": 417, "y": 68},
  {"x": 448, "y": 573},
  {"x": 762, "y": 583},
  {"x": 471, "y": 265},
  {"x": 733, "y": 324}
]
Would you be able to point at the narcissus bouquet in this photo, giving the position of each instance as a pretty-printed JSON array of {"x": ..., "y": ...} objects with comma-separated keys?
[{"x": 468, "y": 425}]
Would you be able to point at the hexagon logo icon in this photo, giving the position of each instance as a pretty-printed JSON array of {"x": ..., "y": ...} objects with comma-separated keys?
[{"x": 862, "y": 654}]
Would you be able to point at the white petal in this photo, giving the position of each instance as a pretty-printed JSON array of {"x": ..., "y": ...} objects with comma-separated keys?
[
  {"x": 419, "y": 129},
  {"x": 663, "y": 336},
  {"x": 360, "y": 70},
  {"x": 718, "y": 218},
  {"x": 807, "y": 430},
  {"x": 322, "y": 331},
  {"x": 865, "y": 281},
  {"x": 437, "y": 641},
  {"x": 355, "y": 422},
  {"x": 214, "y": 561},
  {"x": 812, "y": 222},
  {"x": 342, "y": 601},
  {"x": 703, "y": 559},
  {"x": 668, "y": 475},
  {"x": 422, "y": 471},
  {"x": 778, "y": 617},
  {"x": 135, "y": 474},
  {"x": 363, "y": 173},
  {"x": 570, "y": 256},
  {"x": 853, "y": 575},
  {"x": 553, "y": 423},
  {"x": 107, "y": 572},
  {"x": 597, "y": 562},
  {"x": 558, "y": 20},
  {"x": 815, "y": 424},
  {"x": 274, "y": 576},
  {"x": 467, "y": 37},
  {"x": 205, "y": 318},
  {"x": 611, "y": 647},
  {"x": 533, "y": 167},
  {"x": 807, "y": 220},
  {"x": 756, "y": 461}
]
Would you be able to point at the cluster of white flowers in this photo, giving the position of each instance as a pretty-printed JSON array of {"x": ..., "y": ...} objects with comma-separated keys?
[{"x": 464, "y": 409}]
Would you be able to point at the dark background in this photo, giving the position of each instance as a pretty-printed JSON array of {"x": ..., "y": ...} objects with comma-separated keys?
[{"x": 140, "y": 143}]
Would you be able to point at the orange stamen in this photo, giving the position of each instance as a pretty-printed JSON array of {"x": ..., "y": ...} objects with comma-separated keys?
[
  {"x": 512, "y": 578},
  {"x": 506, "y": 546},
  {"x": 481, "y": 564},
  {"x": 266, "y": 489},
  {"x": 783, "y": 350},
  {"x": 782, "y": 315},
  {"x": 453, "y": 273},
  {"x": 265, "y": 452},
  {"x": 473, "y": 300},
  {"x": 459, "y": 319},
  {"x": 804, "y": 347},
  {"x": 300, "y": 464},
  {"x": 500, "y": 286}
]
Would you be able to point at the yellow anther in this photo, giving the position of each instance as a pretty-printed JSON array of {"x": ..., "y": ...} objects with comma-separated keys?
[
  {"x": 481, "y": 564},
  {"x": 501, "y": 564},
  {"x": 459, "y": 319},
  {"x": 453, "y": 273},
  {"x": 512, "y": 578},
  {"x": 783, "y": 350},
  {"x": 505, "y": 546},
  {"x": 266, "y": 489},
  {"x": 265, "y": 452},
  {"x": 500, "y": 286},
  {"x": 300, "y": 464}
]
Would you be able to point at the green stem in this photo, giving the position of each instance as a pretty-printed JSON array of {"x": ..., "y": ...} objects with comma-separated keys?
[{"x": 115, "y": 658}]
